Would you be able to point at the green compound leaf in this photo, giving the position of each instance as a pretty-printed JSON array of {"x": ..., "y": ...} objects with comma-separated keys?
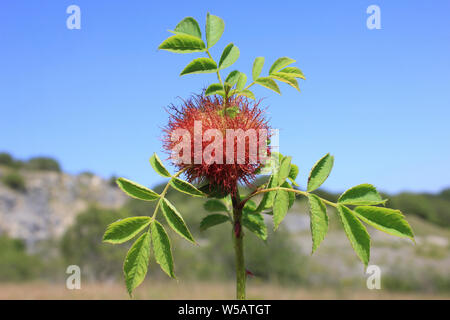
[
  {"x": 318, "y": 220},
  {"x": 255, "y": 223},
  {"x": 291, "y": 194},
  {"x": 126, "y": 229},
  {"x": 213, "y": 191},
  {"x": 280, "y": 207},
  {"x": 268, "y": 197},
  {"x": 186, "y": 187},
  {"x": 293, "y": 71},
  {"x": 175, "y": 220},
  {"x": 387, "y": 220},
  {"x": 214, "y": 88},
  {"x": 136, "y": 263},
  {"x": 136, "y": 190},
  {"x": 241, "y": 82},
  {"x": 247, "y": 93},
  {"x": 229, "y": 56},
  {"x": 286, "y": 79},
  {"x": 162, "y": 248},
  {"x": 361, "y": 195},
  {"x": 269, "y": 83},
  {"x": 200, "y": 65},
  {"x": 293, "y": 174},
  {"x": 233, "y": 77},
  {"x": 257, "y": 67},
  {"x": 213, "y": 220},
  {"x": 320, "y": 172},
  {"x": 188, "y": 26},
  {"x": 280, "y": 63},
  {"x": 215, "y": 205},
  {"x": 250, "y": 206},
  {"x": 158, "y": 166},
  {"x": 356, "y": 233},
  {"x": 214, "y": 29},
  {"x": 285, "y": 169},
  {"x": 183, "y": 43}
]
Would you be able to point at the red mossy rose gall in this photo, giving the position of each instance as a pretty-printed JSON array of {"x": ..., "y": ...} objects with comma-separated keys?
[{"x": 220, "y": 145}]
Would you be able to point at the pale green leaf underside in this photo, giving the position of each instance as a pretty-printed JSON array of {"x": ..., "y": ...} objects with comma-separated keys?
[
  {"x": 267, "y": 200},
  {"x": 162, "y": 248},
  {"x": 280, "y": 63},
  {"x": 241, "y": 82},
  {"x": 183, "y": 43},
  {"x": 291, "y": 193},
  {"x": 286, "y": 79},
  {"x": 268, "y": 83},
  {"x": 136, "y": 262},
  {"x": 214, "y": 29},
  {"x": 387, "y": 220},
  {"x": 356, "y": 233},
  {"x": 136, "y": 190},
  {"x": 247, "y": 93},
  {"x": 293, "y": 72},
  {"x": 285, "y": 168},
  {"x": 175, "y": 220},
  {"x": 188, "y": 26},
  {"x": 126, "y": 229},
  {"x": 200, "y": 65},
  {"x": 158, "y": 166},
  {"x": 257, "y": 67},
  {"x": 213, "y": 220},
  {"x": 280, "y": 207},
  {"x": 186, "y": 187},
  {"x": 320, "y": 172},
  {"x": 229, "y": 56},
  {"x": 360, "y": 195},
  {"x": 318, "y": 220},
  {"x": 293, "y": 174}
]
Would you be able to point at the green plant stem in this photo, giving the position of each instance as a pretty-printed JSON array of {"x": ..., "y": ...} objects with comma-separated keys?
[
  {"x": 303, "y": 193},
  {"x": 249, "y": 85},
  {"x": 238, "y": 237},
  {"x": 163, "y": 193},
  {"x": 218, "y": 73}
]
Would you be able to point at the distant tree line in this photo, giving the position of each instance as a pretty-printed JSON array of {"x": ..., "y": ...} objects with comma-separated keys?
[
  {"x": 13, "y": 179},
  {"x": 35, "y": 163}
]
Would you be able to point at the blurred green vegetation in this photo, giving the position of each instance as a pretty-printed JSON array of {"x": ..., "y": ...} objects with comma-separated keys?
[
  {"x": 35, "y": 163},
  {"x": 43, "y": 163},
  {"x": 15, "y": 181},
  {"x": 82, "y": 244},
  {"x": 15, "y": 263}
]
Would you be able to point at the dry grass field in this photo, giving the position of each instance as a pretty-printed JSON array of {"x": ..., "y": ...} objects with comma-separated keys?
[{"x": 191, "y": 291}]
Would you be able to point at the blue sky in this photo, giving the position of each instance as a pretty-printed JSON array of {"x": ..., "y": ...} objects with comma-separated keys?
[{"x": 93, "y": 98}]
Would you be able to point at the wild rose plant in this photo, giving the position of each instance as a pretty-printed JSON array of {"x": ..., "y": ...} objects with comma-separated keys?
[{"x": 220, "y": 139}]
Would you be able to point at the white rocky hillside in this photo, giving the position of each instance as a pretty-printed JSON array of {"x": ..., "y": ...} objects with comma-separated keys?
[{"x": 51, "y": 202}]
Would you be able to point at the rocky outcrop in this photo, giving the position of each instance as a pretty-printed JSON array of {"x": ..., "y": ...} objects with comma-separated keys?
[{"x": 51, "y": 202}]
